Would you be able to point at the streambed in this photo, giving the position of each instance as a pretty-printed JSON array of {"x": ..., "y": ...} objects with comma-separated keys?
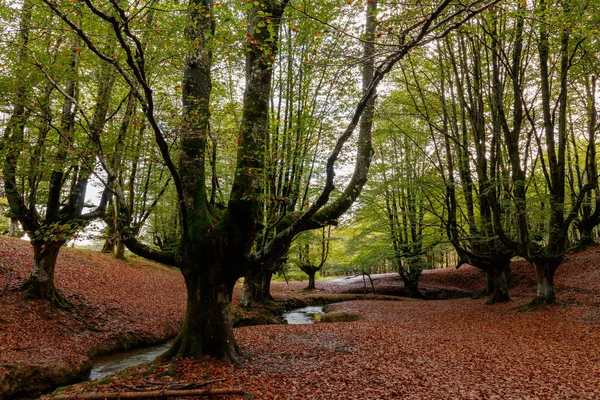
[
  {"x": 305, "y": 315},
  {"x": 113, "y": 363}
]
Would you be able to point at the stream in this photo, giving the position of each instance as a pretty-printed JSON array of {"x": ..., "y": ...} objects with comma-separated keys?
[
  {"x": 113, "y": 363},
  {"x": 305, "y": 315}
]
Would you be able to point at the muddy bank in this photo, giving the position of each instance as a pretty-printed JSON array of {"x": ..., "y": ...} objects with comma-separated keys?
[
  {"x": 270, "y": 313},
  {"x": 28, "y": 381},
  {"x": 117, "y": 305}
]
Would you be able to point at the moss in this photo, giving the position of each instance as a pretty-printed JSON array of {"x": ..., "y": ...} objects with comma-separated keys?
[
  {"x": 103, "y": 381},
  {"x": 61, "y": 389},
  {"x": 339, "y": 316},
  {"x": 171, "y": 371},
  {"x": 150, "y": 370}
]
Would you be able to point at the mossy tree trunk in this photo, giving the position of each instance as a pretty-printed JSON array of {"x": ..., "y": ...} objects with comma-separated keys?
[
  {"x": 545, "y": 268},
  {"x": 67, "y": 178},
  {"x": 257, "y": 288},
  {"x": 40, "y": 284},
  {"x": 311, "y": 280},
  {"x": 207, "y": 327},
  {"x": 499, "y": 284},
  {"x": 217, "y": 247}
]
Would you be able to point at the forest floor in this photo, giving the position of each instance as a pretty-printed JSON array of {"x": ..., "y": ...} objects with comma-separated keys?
[{"x": 457, "y": 348}]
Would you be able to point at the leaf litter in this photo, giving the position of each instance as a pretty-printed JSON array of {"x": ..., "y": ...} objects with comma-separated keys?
[{"x": 440, "y": 349}]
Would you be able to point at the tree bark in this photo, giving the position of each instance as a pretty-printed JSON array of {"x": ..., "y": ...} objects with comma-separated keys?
[
  {"x": 207, "y": 328},
  {"x": 257, "y": 288},
  {"x": 545, "y": 268},
  {"x": 311, "y": 280},
  {"x": 40, "y": 284},
  {"x": 586, "y": 238},
  {"x": 13, "y": 227},
  {"x": 411, "y": 281},
  {"x": 120, "y": 250},
  {"x": 156, "y": 394},
  {"x": 497, "y": 286}
]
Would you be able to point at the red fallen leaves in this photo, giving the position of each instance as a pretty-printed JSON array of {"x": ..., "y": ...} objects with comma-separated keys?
[
  {"x": 116, "y": 302},
  {"x": 451, "y": 349}
]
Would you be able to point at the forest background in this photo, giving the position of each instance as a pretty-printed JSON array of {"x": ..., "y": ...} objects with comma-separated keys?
[{"x": 222, "y": 137}]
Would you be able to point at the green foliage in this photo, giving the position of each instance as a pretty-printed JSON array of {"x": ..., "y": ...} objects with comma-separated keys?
[{"x": 338, "y": 316}]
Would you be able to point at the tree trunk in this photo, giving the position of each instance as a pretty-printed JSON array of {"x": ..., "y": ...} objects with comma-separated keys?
[
  {"x": 266, "y": 285},
  {"x": 411, "y": 282},
  {"x": 489, "y": 286},
  {"x": 109, "y": 246},
  {"x": 13, "y": 227},
  {"x": 120, "y": 250},
  {"x": 110, "y": 231},
  {"x": 207, "y": 328},
  {"x": 40, "y": 284},
  {"x": 311, "y": 280},
  {"x": 544, "y": 271},
  {"x": 586, "y": 238},
  {"x": 499, "y": 287},
  {"x": 257, "y": 288}
]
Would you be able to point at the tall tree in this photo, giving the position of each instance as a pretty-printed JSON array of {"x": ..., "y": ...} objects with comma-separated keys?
[
  {"x": 51, "y": 225},
  {"x": 216, "y": 247}
]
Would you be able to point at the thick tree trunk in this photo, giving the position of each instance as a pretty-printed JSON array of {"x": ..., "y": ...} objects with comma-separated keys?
[
  {"x": 311, "y": 280},
  {"x": 13, "y": 227},
  {"x": 207, "y": 328},
  {"x": 109, "y": 246},
  {"x": 110, "y": 232},
  {"x": 544, "y": 271},
  {"x": 266, "y": 285},
  {"x": 411, "y": 282},
  {"x": 498, "y": 291},
  {"x": 489, "y": 286},
  {"x": 120, "y": 250},
  {"x": 257, "y": 289},
  {"x": 586, "y": 238},
  {"x": 40, "y": 284}
]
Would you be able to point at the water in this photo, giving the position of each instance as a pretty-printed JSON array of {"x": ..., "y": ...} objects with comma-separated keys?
[
  {"x": 111, "y": 364},
  {"x": 114, "y": 363},
  {"x": 304, "y": 315}
]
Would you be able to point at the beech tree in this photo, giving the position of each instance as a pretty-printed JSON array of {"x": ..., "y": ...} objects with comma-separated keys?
[
  {"x": 38, "y": 153},
  {"x": 216, "y": 246},
  {"x": 547, "y": 116},
  {"x": 312, "y": 251},
  {"x": 581, "y": 150}
]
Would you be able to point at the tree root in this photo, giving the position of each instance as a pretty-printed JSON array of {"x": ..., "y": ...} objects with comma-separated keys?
[
  {"x": 53, "y": 296},
  {"x": 156, "y": 394},
  {"x": 538, "y": 303}
]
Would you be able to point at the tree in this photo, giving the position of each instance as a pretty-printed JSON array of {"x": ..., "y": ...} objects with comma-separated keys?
[
  {"x": 216, "y": 246},
  {"x": 310, "y": 91},
  {"x": 62, "y": 214},
  {"x": 306, "y": 258},
  {"x": 549, "y": 133},
  {"x": 582, "y": 130}
]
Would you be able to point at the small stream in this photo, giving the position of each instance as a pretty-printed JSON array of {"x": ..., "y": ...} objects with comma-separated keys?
[
  {"x": 305, "y": 315},
  {"x": 113, "y": 363}
]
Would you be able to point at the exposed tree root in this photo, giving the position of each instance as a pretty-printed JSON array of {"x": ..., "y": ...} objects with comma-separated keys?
[
  {"x": 497, "y": 298},
  {"x": 53, "y": 296},
  {"x": 156, "y": 394}
]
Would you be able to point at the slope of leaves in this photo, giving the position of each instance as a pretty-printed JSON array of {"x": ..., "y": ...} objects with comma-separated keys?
[
  {"x": 459, "y": 349},
  {"x": 119, "y": 304}
]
